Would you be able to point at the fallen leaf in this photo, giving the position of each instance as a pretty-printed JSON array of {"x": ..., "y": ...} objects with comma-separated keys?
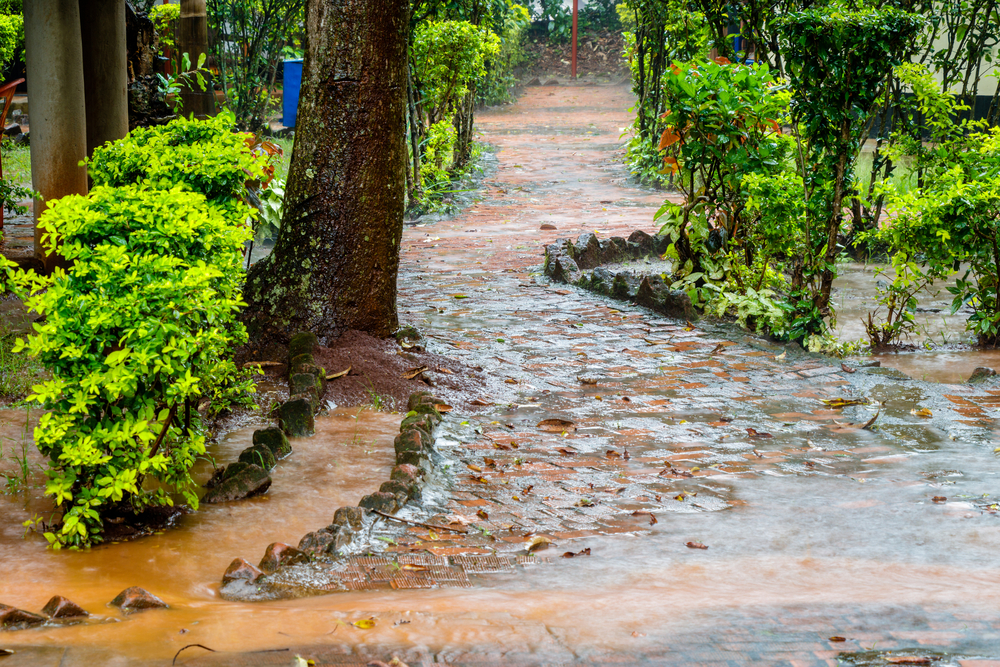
[
  {"x": 414, "y": 568},
  {"x": 625, "y": 455},
  {"x": 6, "y": 651},
  {"x": 489, "y": 462},
  {"x": 445, "y": 371},
  {"x": 838, "y": 639},
  {"x": 923, "y": 412},
  {"x": 365, "y": 623},
  {"x": 566, "y": 452},
  {"x": 556, "y": 425},
  {"x": 334, "y": 376},
  {"x": 612, "y": 454},
  {"x": 442, "y": 407},
  {"x": 547, "y": 226},
  {"x": 510, "y": 381},
  {"x": 411, "y": 373},
  {"x": 481, "y": 480},
  {"x": 474, "y": 467},
  {"x": 679, "y": 497},
  {"x": 483, "y": 515},
  {"x": 539, "y": 543},
  {"x": 753, "y": 434},
  {"x": 908, "y": 660},
  {"x": 695, "y": 545},
  {"x": 871, "y": 421},
  {"x": 262, "y": 364},
  {"x": 459, "y": 296},
  {"x": 584, "y": 380},
  {"x": 837, "y": 403},
  {"x": 939, "y": 499},
  {"x": 570, "y": 554},
  {"x": 585, "y": 502},
  {"x": 636, "y": 633},
  {"x": 501, "y": 446},
  {"x": 718, "y": 348},
  {"x": 479, "y": 401},
  {"x": 847, "y": 369},
  {"x": 652, "y": 519}
]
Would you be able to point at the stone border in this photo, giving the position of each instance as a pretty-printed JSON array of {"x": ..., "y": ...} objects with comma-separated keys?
[
  {"x": 350, "y": 530},
  {"x": 59, "y": 611},
  {"x": 580, "y": 263},
  {"x": 249, "y": 475}
]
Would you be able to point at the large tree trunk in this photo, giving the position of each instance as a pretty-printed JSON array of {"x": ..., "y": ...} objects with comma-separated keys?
[
  {"x": 192, "y": 39},
  {"x": 335, "y": 261}
]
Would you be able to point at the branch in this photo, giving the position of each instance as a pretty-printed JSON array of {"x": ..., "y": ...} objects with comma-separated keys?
[{"x": 417, "y": 523}]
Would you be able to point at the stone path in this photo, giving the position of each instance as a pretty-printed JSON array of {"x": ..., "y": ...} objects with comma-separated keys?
[{"x": 826, "y": 541}]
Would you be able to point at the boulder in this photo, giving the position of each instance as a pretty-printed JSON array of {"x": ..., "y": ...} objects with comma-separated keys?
[
  {"x": 656, "y": 295},
  {"x": 241, "y": 570},
  {"x": 258, "y": 455},
  {"x": 562, "y": 269},
  {"x": 425, "y": 423},
  {"x": 348, "y": 516},
  {"x": 280, "y": 555},
  {"x": 274, "y": 439},
  {"x": 980, "y": 375},
  {"x": 241, "y": 480},
  {"x": 302, "y": 342},
  {"x": 641, "y": 243},
  {"x": 299, "y": 362},
  {"x": 615, "y": 249},
  {"x": 306, "y": 384},
  {"x": 60, "y": 607},
  {"x": 296, "y": 416},
  {"x": 12, "y": 618},
  {"x": 387, "y": 503},
  {"x": 137, "y": 599},
  {"x": 587, "y": 251}
]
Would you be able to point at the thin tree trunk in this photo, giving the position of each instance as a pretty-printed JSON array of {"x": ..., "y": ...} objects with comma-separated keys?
[
  {"x": 336, "y": 258},
  {"x": 192, "y": 39}
]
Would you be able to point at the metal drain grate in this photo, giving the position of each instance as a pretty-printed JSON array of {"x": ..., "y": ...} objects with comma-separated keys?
[{"x": 485, "y": 564}]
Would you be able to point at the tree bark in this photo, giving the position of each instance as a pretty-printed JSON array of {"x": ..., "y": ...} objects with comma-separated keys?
[
  {"x": 192, "y": 39},
  {"x": 335, "y": 261}
]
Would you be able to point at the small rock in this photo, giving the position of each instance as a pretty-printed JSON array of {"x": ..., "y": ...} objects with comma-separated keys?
[
  {"x": 258, "y": 455},
  {"x": 316, "y": 542},
  {"x": 419, "y": 398},
  {"x": 241, "y": 480},
  {"x": 137, "y": 599},
  {"x": 406, "y": 473},
  {"x": 302, "y": 343},
  {"x": 296, "y": 416},
  {"x": 410, "y": 447},
  {"x": 280, "y": 555},
  {"x": 401, "y": 490},
  {"x": 408, "y": 333},
  {"x": 534, "y": 82},
  {"x": 12, "y": 618},
  {"x": 386, "y": 503},
  {"x": 551, "y": 82},
  {"x": 348, "y": 516},
  {"x": 12, "y": 130},
  {"x": 60, "y": 607},
  {"x": 423, "y": 422},
  {"x": 548, "y": 226},
  {"x": 980, "y": 375},
  {"x": 241, "y": 570},
  {"x": 274, "y": 439},
  {"x": 342, "y": 537}
]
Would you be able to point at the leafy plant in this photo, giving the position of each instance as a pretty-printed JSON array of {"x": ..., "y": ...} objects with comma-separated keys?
[
  {"x": 172, "y": 84},
  {"x": 164, "y": 18},
  {"x": 136, "y": 331}
]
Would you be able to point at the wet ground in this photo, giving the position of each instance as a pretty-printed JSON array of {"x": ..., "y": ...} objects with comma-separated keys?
[{"x": 677, "y": 437}]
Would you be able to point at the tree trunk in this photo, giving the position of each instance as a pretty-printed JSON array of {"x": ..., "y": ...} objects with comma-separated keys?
[
  {"x": 192, "y": 39},
  {"x": 336, "y": 258}
]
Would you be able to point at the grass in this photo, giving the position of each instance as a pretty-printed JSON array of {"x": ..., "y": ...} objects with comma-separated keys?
[
  {"x": 16, "y": 163},
  {"x": 283, "y": 162},
  {"x": 18, "y": 372},
  {"x": 901, "y": 176}
]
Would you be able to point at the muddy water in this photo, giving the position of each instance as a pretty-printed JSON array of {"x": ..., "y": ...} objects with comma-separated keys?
[{"x": 350, "y": 455}]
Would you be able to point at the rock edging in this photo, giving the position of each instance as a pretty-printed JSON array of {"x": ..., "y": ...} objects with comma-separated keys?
[
  {"x": 351, "y": 526},
  {"x": 581, "y": 263}
]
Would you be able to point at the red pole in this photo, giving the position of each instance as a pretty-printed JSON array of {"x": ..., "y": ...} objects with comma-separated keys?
[{"x": 575, "y": 5}]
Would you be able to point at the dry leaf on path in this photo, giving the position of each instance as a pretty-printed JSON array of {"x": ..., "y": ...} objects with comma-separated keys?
[
  {"x": 539, "y": 543},
  {"x": 570, "y": 554},
  {"x": 411, "y": 373},
  {"x": 837, "y": 638},
  {"x": 479, "y": 401},
  {"x": 837, "y": 403},
  {"x": 442, "y": 407},
  {"x": 365, "y": 623},
  {"x": 556, "y": 425},
  {"x": 262, "y": 364},
  {"x": 695, "y": 545},
  {"x": 923, "y": 412},
  {"x": 334, "y": 376},
  {"x": 908, "y": 659}
]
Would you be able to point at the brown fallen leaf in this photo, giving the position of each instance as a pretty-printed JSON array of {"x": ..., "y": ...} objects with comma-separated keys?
[
  {"x": 547, "y": 226},
  {"x": 570, "y": 554},
  {"x": 501, "y": 446},
  {"x": 652, "y": 519},
  {"x": 584, "y": 380},
  {"x": 844, "y": 367},
  {"x": 556, "y": 425},
  {"x": 480, "y": 479},
  {"x": 753, "y": 434},
  {"x": 442, "y": 407},
  {"x": 334, "y": 376},
  {"x": 837, "y": 403},
  {"x": 539, "y": 543},
  {"x": 479, "y": 401},
  {"x": 490, "y": 463},
  {"x": 526, "y": 490},
  {"x": 262, "y": 364},
  {"x": 695, "y": 545},
  {"x": 510, "y": 381},
  {"x": 411, "y": 373},
  {"x": 923, "y": 412},
  {"x": 483, "y": 515},
  {"x": 625, "y": 455},
  {"x": 473, "y": 467},
  {"x": 566, "y": 452},
  {"x": 718, "y": 348},
  {"x": 445, "y": 371},
  {"x": 837, "y": 638},
  {"x": 939, "y": 499},
  {"x": 561, "y": 292},
  {"x": 908, "y": 659},
  {"x": 612, "y": 454},
  {"x": 414, "y": 568}
]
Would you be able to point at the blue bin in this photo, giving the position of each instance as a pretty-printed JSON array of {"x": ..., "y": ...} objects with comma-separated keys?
[{"x": 290, "y": 96}]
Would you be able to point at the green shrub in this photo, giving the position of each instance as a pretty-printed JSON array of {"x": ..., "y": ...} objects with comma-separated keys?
[
  {"x": 496, "y": 84},
  {"x": 136, "y": 332},
  {"x": 206, "y": 156}
]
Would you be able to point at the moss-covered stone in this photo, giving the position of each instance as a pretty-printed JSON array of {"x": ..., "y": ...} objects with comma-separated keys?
[
  {"x": 274, "y": 439},
  {"x": 348, "y": 516},
  {"x": 422, "y": 422},
  {"x": 401, "y": 490},
  {"x": 387, "y": 503},
  {"x": 241, "y": 480},
  {"x": 258, "y": 455},
  {"x": 302, "y": 343},
  {"x": 419, "y": 398},
  {"x": 300, "y": 362},
  {"x": 296, "y": 416},
  {"x": 406, "y": 473},
  {"x": 411, "y": 447},
  {"x": 306, "y": 383},
  {"x": 280, "y": 555}
]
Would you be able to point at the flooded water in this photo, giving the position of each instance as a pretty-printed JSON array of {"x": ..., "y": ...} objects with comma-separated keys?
[{"x": 814, "y": 526}]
